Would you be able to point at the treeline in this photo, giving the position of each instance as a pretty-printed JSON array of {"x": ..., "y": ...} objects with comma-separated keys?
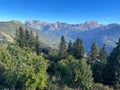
[
  {"x": 81, "y": 71},
  {"x": 26, "y": 38},
  {"x": 26, "y": 65}
]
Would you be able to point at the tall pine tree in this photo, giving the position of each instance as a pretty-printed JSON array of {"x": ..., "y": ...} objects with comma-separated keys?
[
  {"x": 37, "y": 45},
  {"x": 17, "y": 37},
  {"x": 27, "y": 38},
  {"x": 112, "y": 71},
  {"x": 32, "y": 40},
  {"x": 93, "y": 54},
  {"x": 78, "y": 49},
  {"x": 62, "y": 48},
  {"x": 70, "y": 48},
  {"x": 103, "y": 54},
  {"x": 21, "y": 37}
]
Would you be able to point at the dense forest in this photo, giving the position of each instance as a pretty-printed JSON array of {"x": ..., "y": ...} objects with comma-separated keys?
[{"x": 27, "y": 65}]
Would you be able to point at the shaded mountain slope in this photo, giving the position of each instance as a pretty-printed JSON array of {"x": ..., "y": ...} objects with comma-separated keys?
[{"x": 90, "y": 32}]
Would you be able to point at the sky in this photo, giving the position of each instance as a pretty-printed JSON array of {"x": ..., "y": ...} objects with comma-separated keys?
[{"x": 69, "y": 11}]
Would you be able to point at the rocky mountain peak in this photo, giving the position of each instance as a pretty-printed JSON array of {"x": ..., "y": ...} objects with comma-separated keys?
[
  {"x": 91, "y": 22},
  {"x": 36, "y": 24},
  {"x": 88, "y": 25}
]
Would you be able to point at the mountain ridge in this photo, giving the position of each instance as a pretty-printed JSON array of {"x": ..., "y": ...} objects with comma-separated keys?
[
  {"x": 62, "y": 26},
  {"x": 89, "y": 32}
]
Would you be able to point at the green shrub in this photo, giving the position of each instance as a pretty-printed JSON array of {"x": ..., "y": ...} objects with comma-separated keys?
[{"x": 99, "y": 86}]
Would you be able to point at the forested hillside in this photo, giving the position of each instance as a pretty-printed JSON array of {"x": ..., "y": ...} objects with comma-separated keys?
[
  {"x": 8, "y": 30},
  {"x": 25, "y": 65}
]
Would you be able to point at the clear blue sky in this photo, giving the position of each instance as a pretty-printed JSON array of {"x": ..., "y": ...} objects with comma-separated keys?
[{"x": 70, "y": 11}]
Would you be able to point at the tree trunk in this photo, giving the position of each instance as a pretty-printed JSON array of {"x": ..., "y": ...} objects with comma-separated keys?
[{"x": 12, "y": 88}]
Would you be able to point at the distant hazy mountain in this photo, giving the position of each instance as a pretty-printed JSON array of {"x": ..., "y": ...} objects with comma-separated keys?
[
  {"x": 90, "y": 31},
  {"x": 62, "y": 26}
]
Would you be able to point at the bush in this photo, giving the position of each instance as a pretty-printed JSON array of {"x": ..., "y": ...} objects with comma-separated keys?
[
  {"x": 57, "y": 87},
  {"x": 99, "y": 86}
]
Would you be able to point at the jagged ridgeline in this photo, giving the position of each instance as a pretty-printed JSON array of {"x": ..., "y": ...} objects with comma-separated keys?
[{"x": 89, "y": 32}]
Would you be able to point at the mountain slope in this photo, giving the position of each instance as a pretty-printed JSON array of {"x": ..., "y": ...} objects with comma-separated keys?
[
  {"x": 89, "y": 31},
  {"x": 8, "y": 29},
  {"x": 5, "y": 38}
]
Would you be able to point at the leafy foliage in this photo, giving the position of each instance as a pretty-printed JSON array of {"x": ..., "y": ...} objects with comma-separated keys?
[
  {"x": 76, "y": 73},
  {"x": 22, "y": 70}
]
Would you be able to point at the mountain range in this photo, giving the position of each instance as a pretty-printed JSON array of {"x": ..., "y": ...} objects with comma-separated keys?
[
  {"x": 40, "y": 25},
  {"x": 89, "y": 32},
  {"x": 50, "y": 33}
]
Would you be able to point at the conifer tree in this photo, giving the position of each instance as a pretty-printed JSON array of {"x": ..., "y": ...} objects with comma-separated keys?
[
  {"x": 37, "y": 45},
  {"x": 93, "y": 54},
  {"x": 103, "y": 54},
  {"x": 62, "y": 48},
  {"x": 78, "y": 49},
  {"x": 16, "y": 37},
  {"x": 27, "y": 37},
  {"x": 70, "y": 48},
  {"x": 21, "y": 37},
  {"x": 98, "y": 66},
  {"x": 32, "y": 40},
  {"x": 112, "y": 71}
]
